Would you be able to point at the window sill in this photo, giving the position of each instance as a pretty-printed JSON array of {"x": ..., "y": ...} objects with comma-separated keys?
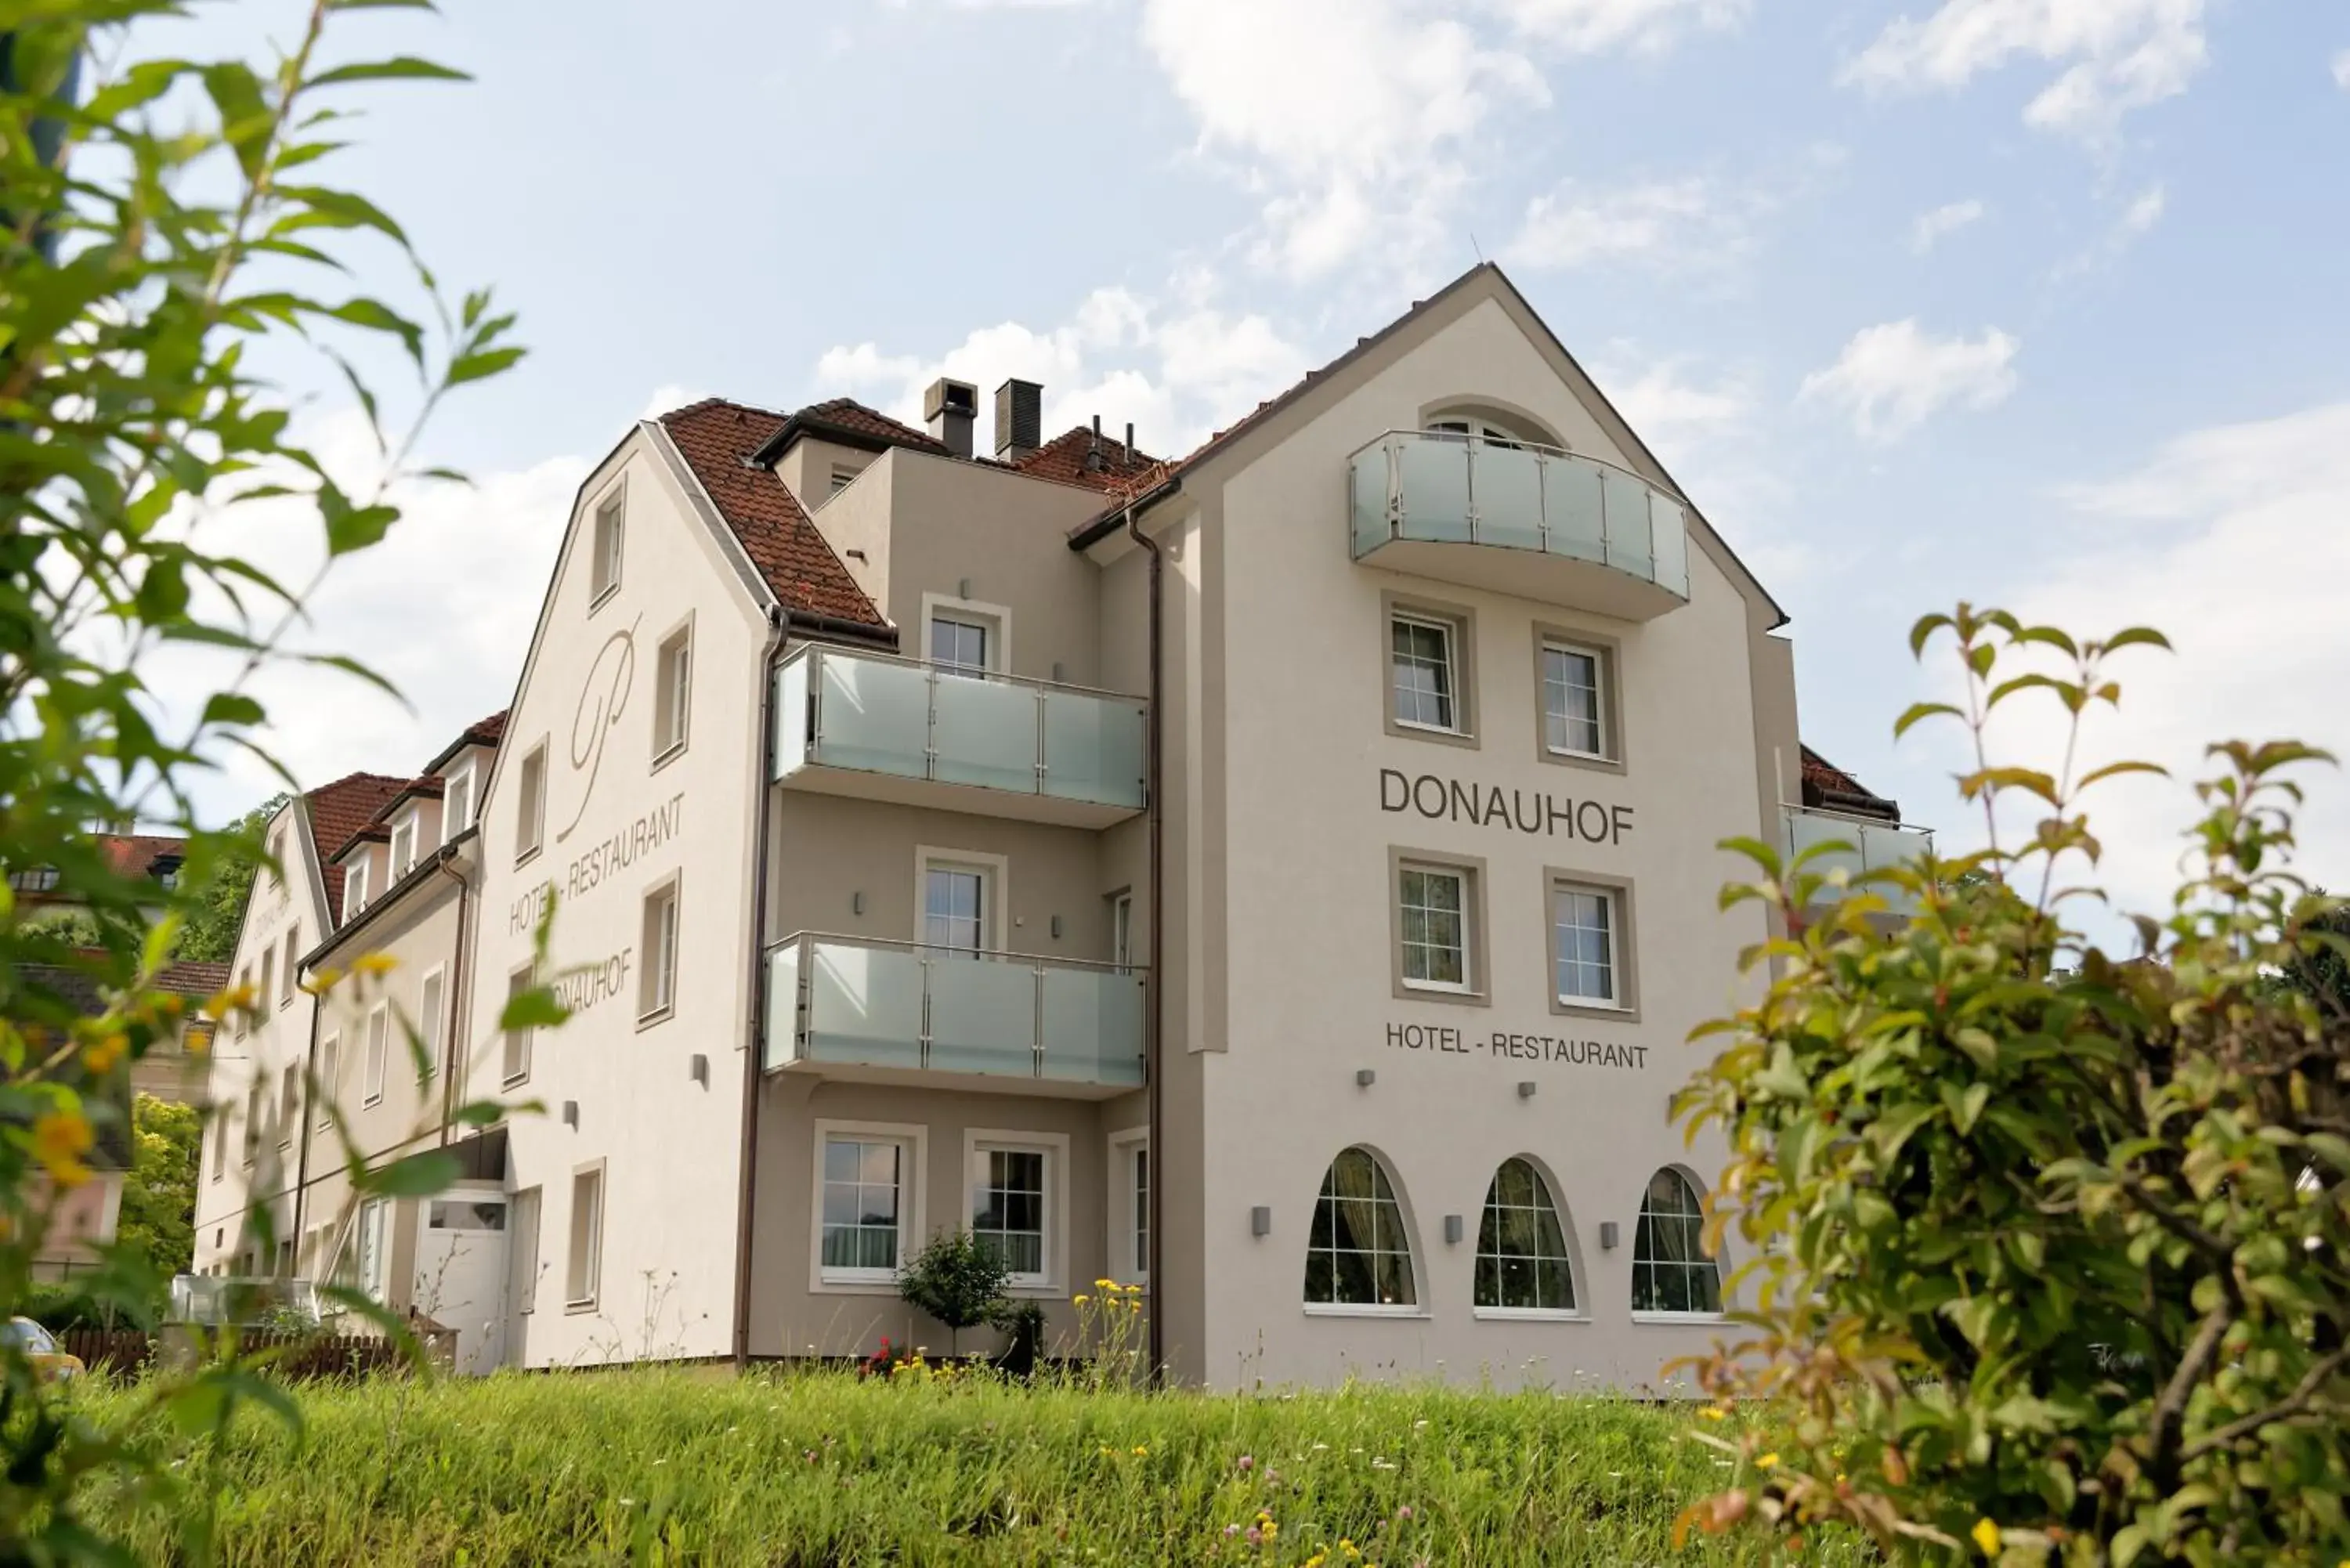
[
  {"x": 1593, "y": 761},
  {"x": 515, "y": 1080},
  {"x": 658, "y": 1015},
  {"x": 1398, "y": 1314},
  {"x": 1580, "y": 1007},
  {"x": 1667, "y": 1319},
  {"x": 1406, "y": 730},
  {"x": 663, "y": 758},
  {"x": 370, "y": 1103},
  {"x": 1409, "y": 991},
  {"x": 857, "y": 1284},
  {"x": 575, "y": 1309},
  {"x": 525, "y": 856},
  {"x": 603, "y": 596},
  {"x": 1531, "y": 1314}
]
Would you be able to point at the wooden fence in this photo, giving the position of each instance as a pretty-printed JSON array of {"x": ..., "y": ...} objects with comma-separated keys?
[{"x": 294, "y": 1356}]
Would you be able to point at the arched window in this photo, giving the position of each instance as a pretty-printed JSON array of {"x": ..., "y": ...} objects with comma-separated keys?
[
  {"x": 1467, "y": 425},
  {"x": 1521, "y": 1245},
  {"x": 1671, "y": 1270},
  {"x": 1358, "y": 1253}
]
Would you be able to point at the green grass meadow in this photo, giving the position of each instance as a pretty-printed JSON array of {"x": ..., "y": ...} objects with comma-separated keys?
[{"x": 679, "y": 1467}]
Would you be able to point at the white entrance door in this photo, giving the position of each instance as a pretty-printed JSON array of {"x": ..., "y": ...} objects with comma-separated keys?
[{"x": 461, "y": 1272}]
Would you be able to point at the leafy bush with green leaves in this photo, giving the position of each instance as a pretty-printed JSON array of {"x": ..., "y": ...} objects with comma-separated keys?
[
  {"x": 2048, "y": 1249},
  {"x": 956, "y": 1278}
]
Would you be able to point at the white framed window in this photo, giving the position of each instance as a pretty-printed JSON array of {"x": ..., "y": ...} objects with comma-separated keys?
[
  {"x": 371, "y": 1250},
  {"x": 583, "y": 1264},
  {"x": 673, "y": 692},
  {"x": 957, "y": 645},
  {"x": 1586, "y": 942},
  {"x": 239, "y": 1015},
  {"x": 254, "y": 1098},
  {"x": 222, "y": 1114},
  {"x": 432, "y": 1022},
  {"x": 276, "y": 859},
  {"x": 1469, "y": 426},
  {"x": 609, "y": 546},
  {"x": 287, "y": 981},
  {"x": 330, "y": 1068},
  {"x": 1129, "y": 1206},
  {"x": 457, "y": 801},
  {"x": 1432, "y": 908},
  {"x": 1358, "y": 1251},
  {"x": 403, "y": 849},
  {"x": 378, "y": 1053},
  {"x": 268, "y": 976},
  {"x": 844, "y": 475},
  {"x": 1121, "y": 930},
  {"x": 289, "y": 1105},
  {"x": 965, "y": 636},
  {"x": 1012, "y": 1180},
  {"x": 1522, "y": 1257},
  {"x": 354, "y": 888},
  {"x": 1672, "y": 1274},
  {"x": 530, "y": 804},
  {"x": 1575, "y": 701},
  {"x": 516, "y": 1045},
  {"x": 961, "y": 896},
  {"x": 1424, "y": 673},
  {"x": 657, "y": 979},
  {"x": 864, "y": 1207},
  {"x": 521, "y": 1287}
]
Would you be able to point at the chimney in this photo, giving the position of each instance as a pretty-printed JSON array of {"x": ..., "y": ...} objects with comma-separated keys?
[
  {"x": 1019, "y": 419},
  {"x": 950, "y": 409},
  {"x": 1093, "y": 449}
]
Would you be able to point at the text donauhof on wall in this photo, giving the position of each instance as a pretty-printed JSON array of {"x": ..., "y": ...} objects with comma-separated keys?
[{"x": 1522, "y": 810}]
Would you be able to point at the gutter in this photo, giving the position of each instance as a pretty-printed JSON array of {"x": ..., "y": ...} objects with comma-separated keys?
[
  {"x": 747, "y": 1189},
  {"x": 1109, "y": 522},
  {"x": 309, "y": 1110},
  {"x": 447, "y": 1065},
  {"x": 1153, "y": 1076},
  {"x": 836, "y": 626}
]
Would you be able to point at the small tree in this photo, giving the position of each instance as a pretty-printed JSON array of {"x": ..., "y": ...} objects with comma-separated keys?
[
  {"x": 159, "y": 1192},
  {"x": 2050, "y": 1249},
  {"x": 958, "y": 1279},
  {"x": 217, "y": 911}
]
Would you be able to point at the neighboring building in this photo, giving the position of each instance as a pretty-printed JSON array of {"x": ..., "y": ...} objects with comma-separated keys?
[
  {"x": 154, "y": 857},
  {"x": 834, "y": 747}
]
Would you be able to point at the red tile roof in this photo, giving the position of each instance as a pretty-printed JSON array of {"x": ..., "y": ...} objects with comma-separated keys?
[
  {"x": 192, "y": 979},
  {"x": 848, "y": 414},
  {"x": 717, "y": 438},
  {"x": 1063, "y": 461},
  {"x": 1825, "y": 783},
  {"x": 135, "y": 854},
  {"x": 338, "y": 811}
]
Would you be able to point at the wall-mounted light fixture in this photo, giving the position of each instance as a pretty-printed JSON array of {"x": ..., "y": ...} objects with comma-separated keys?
[
  {"x": 571, "y": 1115},
  {"x": 1607, "y": 1234},
  {"x": 1056, "y": 928},
  {"x": 1364, "y": 1077},
  {"x": 1452, "y": 1230},
  {"x": 699, "y": 1069},
  {"x": 963, "y": 588},
  {"x": 1526, "y": 1088},
  {"x": 1260, "y": 1221},
  {"x": 856, "y": 903},
  {"x": 1057, "y": 676}
]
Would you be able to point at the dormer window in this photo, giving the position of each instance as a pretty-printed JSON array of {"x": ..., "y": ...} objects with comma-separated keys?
[
  {"x": 843, "y": 475},
  {"x": 457, "y": 802},
  {"x": 355, "y": 888},
  {"x": 404, "y": 848}
]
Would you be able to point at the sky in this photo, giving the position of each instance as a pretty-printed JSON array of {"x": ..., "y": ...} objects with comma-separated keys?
[{"x": 2033, "y": 303}]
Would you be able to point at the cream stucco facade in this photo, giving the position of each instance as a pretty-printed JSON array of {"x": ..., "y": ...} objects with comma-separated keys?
[{"x": 831, "y": 757}]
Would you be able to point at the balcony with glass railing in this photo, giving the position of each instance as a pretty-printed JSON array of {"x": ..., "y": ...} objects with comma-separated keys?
[
  {"x": 882, "y": 727},
  {"x": 1517, "y": 518},
  {"x": 862, "y": 1011},
  {"x": 1857, "y": 844}
]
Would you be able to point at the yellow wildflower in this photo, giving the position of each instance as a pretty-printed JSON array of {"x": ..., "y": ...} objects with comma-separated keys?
[
  {"x": 101, "y": 1057},
  {"x": 1140, "y": 1449},
  {"x": 59, "y": 1140},
  {"x": 1766, "y": 1461},
  {"x": 375, "y": 963},
  {"x": 229, "y": 1000},
  {"x": 1105, "y": 1285},
  {"x": 1986, "y": 1536},
  {"x": 1079, "y": 1300},
  {"x": 1714, "y": 1413}
]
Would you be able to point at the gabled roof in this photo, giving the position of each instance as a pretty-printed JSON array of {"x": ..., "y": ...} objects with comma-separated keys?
[
  {"x": 486, "y": 731},
  {"x": 338, "y": 811},
  {"x": 1827, "y": 784},
  {"x": 721, "y": 442},
  {"x": 1063, "y": 459},
  {"x": 850, "y": 424},
  {"x": 142, "y": 854}
]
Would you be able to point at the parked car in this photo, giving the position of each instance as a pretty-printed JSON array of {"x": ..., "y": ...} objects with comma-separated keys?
[{"x": 51, "y": 1361}]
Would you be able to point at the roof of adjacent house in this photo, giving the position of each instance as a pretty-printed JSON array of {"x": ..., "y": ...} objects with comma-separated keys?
[
  {"x": 1825, "y": 783},
  {"x": 338, "y": 811},
  {"x": 142, "y": 854},
  {"x": 486, "y": 731},
  {"x": 1115, "y": 467},
  {"x": 720, "y": 443}
]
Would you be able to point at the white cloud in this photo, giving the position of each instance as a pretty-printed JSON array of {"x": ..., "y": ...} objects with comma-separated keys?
[
  {"x": 2229, "y": 540},
  {"x": 2144, "y": 212},
  {"x": 2136, "y": 221},
  {"x": 1892, "y": 376},
  {"x": 1674, "y": 221},
  {"x": 1669, "y": 411},
  {"x": 2342, "y": 70},
  {"x": 2118, "y": 55},
  {"x": 1176, "y": 369},
  {"x": 1588, "y": 27},
  {"x": 1930, "y": 228}
]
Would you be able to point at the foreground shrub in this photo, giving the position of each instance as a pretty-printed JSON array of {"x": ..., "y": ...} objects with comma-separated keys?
[{"x": 2049, "y": 1245}]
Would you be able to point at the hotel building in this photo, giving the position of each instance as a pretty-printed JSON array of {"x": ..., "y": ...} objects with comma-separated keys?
[{"x": 1288, "y": 874}]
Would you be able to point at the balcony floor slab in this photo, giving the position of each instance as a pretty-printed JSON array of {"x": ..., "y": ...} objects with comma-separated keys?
[{"x": 853, "y": 783}]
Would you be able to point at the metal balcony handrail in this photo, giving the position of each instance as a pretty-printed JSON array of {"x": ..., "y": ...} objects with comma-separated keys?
[
  {"x": 821, "y": 651},
  {"x": 1456, "y": 439},
  {"x": 1830, "y": 813},
  {"x": 1040, "y": 960}
]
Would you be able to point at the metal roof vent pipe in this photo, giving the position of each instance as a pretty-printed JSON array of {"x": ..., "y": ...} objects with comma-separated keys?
[
  {"x": 950, "y": 409},
  {"x": 1019, "y": 419},
  {"x": 1093, "y": 449}
]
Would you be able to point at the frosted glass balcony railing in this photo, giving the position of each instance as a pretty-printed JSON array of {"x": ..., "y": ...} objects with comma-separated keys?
[
  {"x": 1859, "y": 845},
  {"x": 1519, "y": 518},
  {"x": 1042, "y": 750},
  {"x": 850, "y": 1006}
]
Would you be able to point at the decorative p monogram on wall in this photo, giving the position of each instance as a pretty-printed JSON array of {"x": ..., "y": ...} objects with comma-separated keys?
[{"x": 602, "y": 698}]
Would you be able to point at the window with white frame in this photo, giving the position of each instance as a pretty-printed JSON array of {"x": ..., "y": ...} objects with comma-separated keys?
[
  {"x": 287, "y": 981},
  {"x": 865, "y": 1207},
  {"x": 241, "y": 1015},
  {"x": 330, "y": 1068},
  {"x": 523, "y": 1284},
  {"x": 276, "y": 858},
  {"x": 673, "y": 691},
  {"x": 1432, "y": 905},
  {"x": 657, "y": 982},
  {"x": 1130, "y": 1206},
  {"x": 432, "y": 1025},
  {"x": 956, "y": 909},
  {"x": 1008, "y": 1187},
  {"x": 584, "y": 1264},
  {"x": 530, "y": 802},
  {"x": 1121, "y": 930},
  {"x": 844, "y": 475},
  {"x": 1425, "y": 670},
  {"x": 457, "y": 802},
  {"x": 378, "y": 1053},
  {"x": 1671, "y": 1270},
  {"x": 1468, "y": 427},
  {"x": 268, "y": 977},
  {"x": 289, "y": 1103},
  {"x": 959, "y": 646},
  {"x": 1358, "y": 1251},
  {"x": 222, "y": 1114},
  {"x": 517, "y": 1042},
  {"x": 1521, "y": 1261},
  {"x": 254, "y": 1098},
  {"x": 1586, "y": 939},
  {"x": 403, "y": 849},
  {"x": 1574, "y": 701},
  {"x": 371, "y": 1249},
  {"x": 355, "y": 882},
  {"x": 609, "y": 544}
]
